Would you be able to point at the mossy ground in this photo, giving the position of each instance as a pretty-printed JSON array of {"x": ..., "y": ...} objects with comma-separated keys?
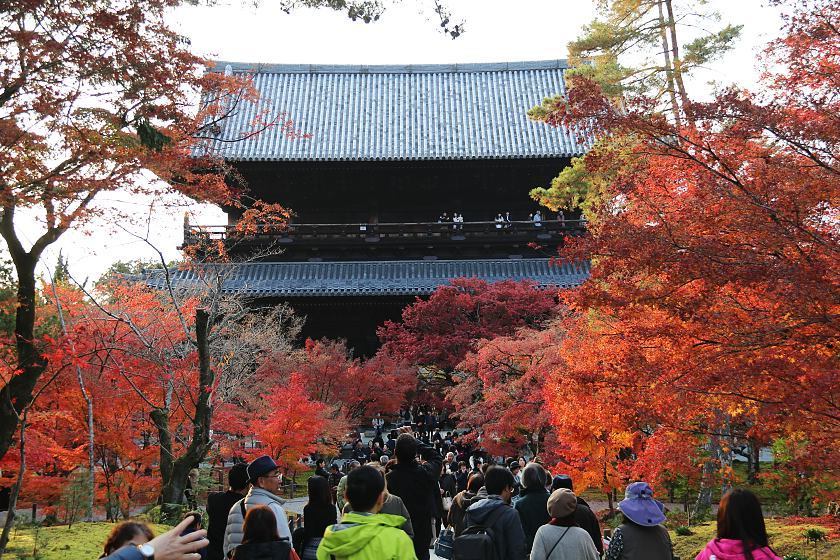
[
  {"x": 787, "y": 536},
  {"x": 82, "y": 541}
]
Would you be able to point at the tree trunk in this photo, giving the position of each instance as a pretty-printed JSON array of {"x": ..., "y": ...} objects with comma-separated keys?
[
  {"x": 91, "y": 460},
  {"x": 174, "y": 472},
  {"x": 172, "y": 491},
  {"x": 17, "y": 393},
  {"x": 675, "y": 50},
  {"x": 13, "y": 497},
  {"x": 753, "y": 464},
  {"x": 669, "y": 68},
  {"x": 160, "y": 418},
  {"x": 704, "y": 496}
]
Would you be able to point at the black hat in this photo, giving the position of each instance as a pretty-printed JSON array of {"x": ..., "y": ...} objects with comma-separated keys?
[
  {"x": 561, "y": 481},
  {"x": 260, "y": 466}
]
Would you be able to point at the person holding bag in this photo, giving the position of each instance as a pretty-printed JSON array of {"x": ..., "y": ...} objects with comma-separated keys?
[{"x": 561, "y": 538}]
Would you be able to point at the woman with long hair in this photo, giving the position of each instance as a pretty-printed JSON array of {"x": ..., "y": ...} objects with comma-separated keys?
[
  {"x": 128, "y": 532},
  {"x": 741, "y": 534},
  {"x": 260, "y": 539},
  {"x": 318, "y": 514}
]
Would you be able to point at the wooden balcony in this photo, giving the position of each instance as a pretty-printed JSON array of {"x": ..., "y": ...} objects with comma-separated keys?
[
  {"x": 396, "y": 232},
  {"x": 392, "y": 240}
]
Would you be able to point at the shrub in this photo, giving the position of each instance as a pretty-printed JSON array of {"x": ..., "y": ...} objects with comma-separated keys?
[
  {"x": 683, "y": 531},
  {"x": 814, "y": 536}
]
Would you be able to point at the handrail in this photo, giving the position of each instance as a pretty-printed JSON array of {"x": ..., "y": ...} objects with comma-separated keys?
[
  {"x": 580, "y": 222},
  {"x": 398, "y": 231}
]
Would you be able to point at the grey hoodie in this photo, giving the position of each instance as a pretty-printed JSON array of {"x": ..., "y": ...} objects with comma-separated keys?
[{"x": 508, "y": 535}]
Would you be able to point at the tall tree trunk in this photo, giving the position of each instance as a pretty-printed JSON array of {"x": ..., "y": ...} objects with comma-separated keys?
[
  {"x": 177, "y": 471},
  {"x": 160, "y": 418},
  {"x": 669, "y": 68},
  {"x": 704, "y": 496},
  {"x": 13, "y": 496},
  {"x": 753, "y": 461},
  {"x": 17, "y": 393},
  {"x": 675, "y": 51}
]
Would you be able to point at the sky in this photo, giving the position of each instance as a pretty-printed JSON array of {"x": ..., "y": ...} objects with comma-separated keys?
[{"x": 249, "y": 31}]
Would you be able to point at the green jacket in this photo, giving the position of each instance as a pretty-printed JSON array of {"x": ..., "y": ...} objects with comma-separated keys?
[{"x": 365, "y": 536}]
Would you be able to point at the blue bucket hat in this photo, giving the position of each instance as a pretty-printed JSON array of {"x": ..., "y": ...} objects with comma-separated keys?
[
  {"x": 640, "y": 507},
  {"x": 260, "y": 466}
]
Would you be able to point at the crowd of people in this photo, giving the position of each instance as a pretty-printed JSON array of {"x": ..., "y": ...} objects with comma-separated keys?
[
  {"x": 429, "y": 494},
  {"x": 502, "y": 219}
]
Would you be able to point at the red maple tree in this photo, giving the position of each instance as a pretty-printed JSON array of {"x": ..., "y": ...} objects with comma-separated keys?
[{"x": 711, "y": 309}]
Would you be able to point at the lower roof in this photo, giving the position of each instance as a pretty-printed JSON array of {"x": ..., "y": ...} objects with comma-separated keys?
[{"x": 373, "y": 278}]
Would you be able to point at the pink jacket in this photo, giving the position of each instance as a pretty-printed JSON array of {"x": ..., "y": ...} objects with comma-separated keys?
[{"x": 729, "y": 549}]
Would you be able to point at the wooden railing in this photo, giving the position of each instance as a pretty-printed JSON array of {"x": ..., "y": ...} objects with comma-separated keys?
[{"x": 430, "y": 231}]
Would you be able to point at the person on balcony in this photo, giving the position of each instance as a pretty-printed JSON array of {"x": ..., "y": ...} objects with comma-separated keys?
[
  {"x": 459, "y": 220},
  {"x": 499, "y": 220}
]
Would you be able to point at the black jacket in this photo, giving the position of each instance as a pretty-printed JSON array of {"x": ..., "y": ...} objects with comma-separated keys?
[
  {"x": 587, "y": 521},
  {"x": 417, "y": 485},
  {"x": 533, "y": 511},
  {"x": 461, "y": 479},
  {"x": 276, "y": 550},
  {"x": 507, "y": 528},
  {"x": 316, "y": 520},
  {"x": 447, "y": 484},
  {"x": 218, "y": 507}
]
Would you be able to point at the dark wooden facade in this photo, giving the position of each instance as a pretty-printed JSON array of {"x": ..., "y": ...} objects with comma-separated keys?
[{"x": 393, "y": 149}]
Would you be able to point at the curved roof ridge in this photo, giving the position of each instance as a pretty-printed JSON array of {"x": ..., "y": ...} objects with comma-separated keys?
[{"x": 453, "y": 68}]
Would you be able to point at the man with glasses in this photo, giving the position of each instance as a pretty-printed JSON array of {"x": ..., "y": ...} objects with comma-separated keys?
[{"x": 265, "y": 476}]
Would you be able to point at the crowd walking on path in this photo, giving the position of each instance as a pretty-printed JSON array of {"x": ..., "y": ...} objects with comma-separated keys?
[{"x": 425, "y": 494}]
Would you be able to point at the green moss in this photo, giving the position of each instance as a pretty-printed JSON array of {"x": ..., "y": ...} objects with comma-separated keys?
[
  {"x": 82, "y": 541},
  {"x": 784, "y": 539}
]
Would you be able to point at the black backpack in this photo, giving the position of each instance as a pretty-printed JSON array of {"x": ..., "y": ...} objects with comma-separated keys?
[{"x": 476, "y": 542}]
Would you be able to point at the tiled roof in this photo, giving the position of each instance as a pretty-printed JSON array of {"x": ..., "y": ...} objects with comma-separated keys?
[
  {"x": 308, "y": 279},
  {"x": 422, "y": 112}
]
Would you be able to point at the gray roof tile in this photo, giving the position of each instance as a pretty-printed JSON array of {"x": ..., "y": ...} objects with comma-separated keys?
[
  {"x": 308, "y": 279},
  {"x": 416, "y": 112}
]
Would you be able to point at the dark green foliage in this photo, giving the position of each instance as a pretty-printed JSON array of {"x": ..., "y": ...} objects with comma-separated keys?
[
  {"x": 708, "y": 47},
  {"x": 151, "y": 137}
]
